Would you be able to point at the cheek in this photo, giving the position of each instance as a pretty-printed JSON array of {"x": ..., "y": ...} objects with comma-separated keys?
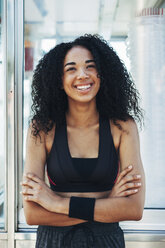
[
  {"x": 65, "y": 82},
  {"x": 68, "y": 80},
  {"x": 67, "y": 85}
]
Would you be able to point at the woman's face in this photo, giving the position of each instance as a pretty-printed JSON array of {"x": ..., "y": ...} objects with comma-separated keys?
[{"x": 80, "y": 77}]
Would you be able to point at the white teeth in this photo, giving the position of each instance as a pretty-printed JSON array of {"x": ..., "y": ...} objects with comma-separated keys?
[{"x": 84, "y": 87}]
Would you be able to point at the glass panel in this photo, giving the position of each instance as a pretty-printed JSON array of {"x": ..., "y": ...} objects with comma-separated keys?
[
  {"x": 50, "y": 22},
  {"x": 146, "y": 50},
  {"x": 121, "y": 50},
  {"x": 2, "y": 124}
]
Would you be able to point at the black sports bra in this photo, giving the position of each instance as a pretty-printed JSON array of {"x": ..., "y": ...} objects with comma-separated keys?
[
  {"x": 84, "y": 166},
  {"x": 67, "y": 174}
]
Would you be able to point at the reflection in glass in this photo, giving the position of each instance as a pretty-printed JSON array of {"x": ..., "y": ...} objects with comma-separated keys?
[{"x": 2, "y": 127}]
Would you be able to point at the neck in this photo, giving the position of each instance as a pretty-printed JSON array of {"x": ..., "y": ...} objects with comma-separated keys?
[{"x": 82, "y": 115}]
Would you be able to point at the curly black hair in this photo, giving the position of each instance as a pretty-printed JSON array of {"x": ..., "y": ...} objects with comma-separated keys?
[{"x": 117, "y": 98}]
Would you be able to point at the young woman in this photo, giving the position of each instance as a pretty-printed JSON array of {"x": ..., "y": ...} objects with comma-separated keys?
[{"x": 83, "y": 129}]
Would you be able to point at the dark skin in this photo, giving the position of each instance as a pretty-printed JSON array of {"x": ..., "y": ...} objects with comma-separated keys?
[{"x": 41, "y": 204}]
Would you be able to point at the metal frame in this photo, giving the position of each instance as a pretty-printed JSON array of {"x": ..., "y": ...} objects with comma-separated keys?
[
  {"x": 10, "y": 121},
  {"x": 129, "y": 236},
  {"x": 3, "y": 236},
  {"x": 5, "y": 108},
  {"x": 13, "y": 57},
  {"x": 19, "y": 72},
  {"x": 153, "y": 220}
]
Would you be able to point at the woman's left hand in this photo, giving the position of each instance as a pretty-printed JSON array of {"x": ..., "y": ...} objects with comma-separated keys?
[{"x": 36, "y": 190}]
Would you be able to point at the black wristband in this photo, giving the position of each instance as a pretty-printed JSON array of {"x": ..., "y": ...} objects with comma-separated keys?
[{"x": 82, "y": 208}]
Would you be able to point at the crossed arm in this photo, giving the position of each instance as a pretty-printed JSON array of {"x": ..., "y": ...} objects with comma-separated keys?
[{"x": 43, "y": 207}]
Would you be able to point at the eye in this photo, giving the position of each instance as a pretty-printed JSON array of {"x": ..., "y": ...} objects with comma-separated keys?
[
  {"x": 91, "y": 66},
  {"x": 71, "y": 69}
]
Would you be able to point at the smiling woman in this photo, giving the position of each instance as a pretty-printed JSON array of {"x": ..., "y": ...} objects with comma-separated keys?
[
  {"x": 80, "y": 75},
  {"x": 89, "y": 64},
  {"x": 83, "y": 127}
]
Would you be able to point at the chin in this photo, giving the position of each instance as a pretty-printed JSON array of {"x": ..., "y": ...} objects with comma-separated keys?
[{"x": 84, "y": 99}]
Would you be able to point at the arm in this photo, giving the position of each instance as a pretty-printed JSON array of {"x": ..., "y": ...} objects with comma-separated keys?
[
  {"x": 37, "y": 191},
  {"x": 37, "y": 215},
  {"x": 123, "y": 208},
  {"x": 35, "y": 163},
  {"x": 130, "y": 207}
]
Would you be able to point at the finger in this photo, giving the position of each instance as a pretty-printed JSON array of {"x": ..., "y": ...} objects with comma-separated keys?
[
  {"x": 29, "y": 183},
  {"x": 124, "y": 172},
  {"x": 29, "y": 198},
  {"x": 27, "y": 191},
  {"x": 131, "y": 185},
  {"x": 24, "y": 188},
  {"x": 129, "y": 178},
  {"x": 129, "y": 192},
  {"x": 33, "y": 177}
]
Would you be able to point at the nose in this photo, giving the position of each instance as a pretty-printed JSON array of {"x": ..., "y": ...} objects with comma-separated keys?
[{"x": 82, "y": 74}]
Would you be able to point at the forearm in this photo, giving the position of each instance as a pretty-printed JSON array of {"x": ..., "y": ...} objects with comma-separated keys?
[
  {"x": 116, "y": 209},
  {"x": 37, "y": 215},
  {"x": 109, "y": 209}
]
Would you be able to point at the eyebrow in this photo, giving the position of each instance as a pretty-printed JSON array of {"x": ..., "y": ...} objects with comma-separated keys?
[
  {"x": 89, "y": 61},
  {"x": 73, "y": 63},
  {"x": 70, "y": 63}
]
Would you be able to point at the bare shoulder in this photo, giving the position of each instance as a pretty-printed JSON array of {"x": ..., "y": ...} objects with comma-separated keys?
[
  {"x": 122, "y": 129},
  {"x": 129, "y": 127},
  {"x": 42, "y": 139},
  {"x": 37, "y": 149},
  {"x": 35, "y": 152},
  {"x": 129, "y": 132},
  {"x": 129, "y": 148},
  {"x": 36, "y": 140}
]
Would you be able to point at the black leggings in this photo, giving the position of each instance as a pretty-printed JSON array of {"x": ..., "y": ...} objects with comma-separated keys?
[{"x": 85, "y": 235}]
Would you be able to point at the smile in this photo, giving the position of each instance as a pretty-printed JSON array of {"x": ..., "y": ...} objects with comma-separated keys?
[{"x": 83, "y": 87}]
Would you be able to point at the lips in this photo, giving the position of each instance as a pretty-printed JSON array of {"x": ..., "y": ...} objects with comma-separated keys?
[{"x": 83, "y": 86}]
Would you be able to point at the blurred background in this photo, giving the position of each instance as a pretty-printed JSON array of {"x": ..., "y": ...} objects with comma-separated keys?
[{"x": 29, "y": 29}]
